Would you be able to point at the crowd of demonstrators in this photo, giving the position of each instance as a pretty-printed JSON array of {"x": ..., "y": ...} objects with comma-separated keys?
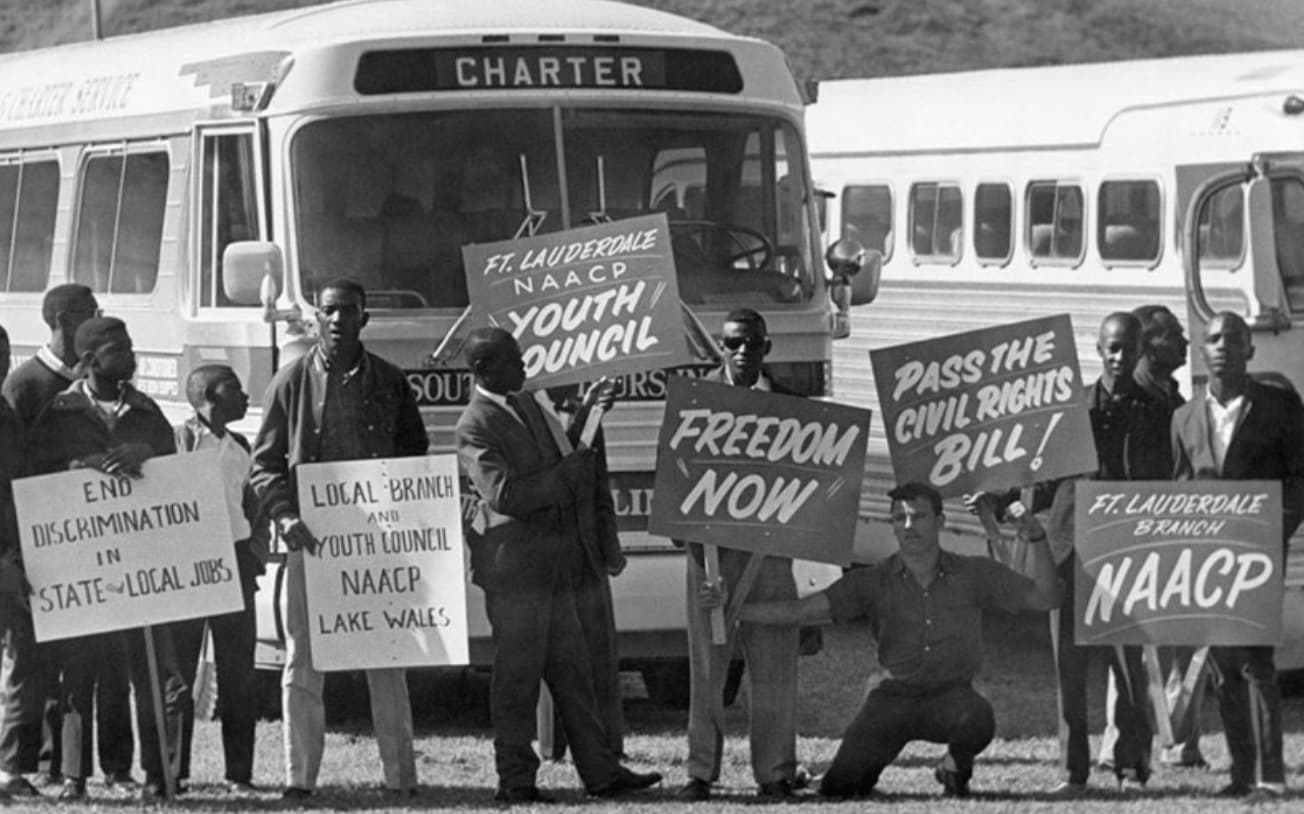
[{"x": 545, "y": 545}]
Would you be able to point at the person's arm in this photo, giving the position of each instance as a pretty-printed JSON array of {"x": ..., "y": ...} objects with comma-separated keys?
[
  {"x": 1292, "y": 482},
  {"x": 613, "y": 556},
  {"x": 269, "y": 473},
  {"x": 516, "y": 495},
  {"x": 410, "y": 430},
  {"x": 809, "y": 610}
]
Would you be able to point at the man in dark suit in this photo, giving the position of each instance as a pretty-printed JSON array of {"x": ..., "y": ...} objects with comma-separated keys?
[
  {"x": 770, "y": 652},
  {"x": 1244, "y": 430},
  {"x": 531, "y": 556}
]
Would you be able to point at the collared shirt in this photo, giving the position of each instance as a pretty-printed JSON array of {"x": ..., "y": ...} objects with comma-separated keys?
[
  {"x": 928, "y": 637},
  {"x": 1223, "y": 419},
  {"x": 501, "y": 401},
  {"x": 108, "y": 411},
  {"x": 343, "y": 415},
  {"x": 54, "y": 363}
]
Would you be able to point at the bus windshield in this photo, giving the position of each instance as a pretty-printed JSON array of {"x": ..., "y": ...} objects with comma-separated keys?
[{"x": 391, "y": 199}]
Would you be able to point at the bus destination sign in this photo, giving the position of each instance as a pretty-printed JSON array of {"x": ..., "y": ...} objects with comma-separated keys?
[{"x": 415, "y": 70}]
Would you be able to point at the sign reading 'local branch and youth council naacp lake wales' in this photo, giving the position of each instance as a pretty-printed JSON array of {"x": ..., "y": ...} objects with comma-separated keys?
[
  {"x": 387, "y": 586},
  {"x": 988, "y": 409},
  {"x": 104, "y": 553},
  {"x": 584, "y": 303},
  {"x": 1178, "y": 562},
  {"x": 757, "y": 471}
]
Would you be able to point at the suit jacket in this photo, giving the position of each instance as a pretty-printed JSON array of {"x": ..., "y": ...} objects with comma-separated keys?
[
  {"x": 531, "y": 531},
  {"x": 1267, "y": 444}
]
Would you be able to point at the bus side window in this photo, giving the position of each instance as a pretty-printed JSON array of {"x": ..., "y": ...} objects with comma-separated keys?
[
  {"x": 228, "y": 209},
  {"x": 1128, "y": 221},
  {"x": 1055, "y": 223},
  {"x": 1288, "y": 231},
  {"x": 1222, "y": 228},
  {"x": 29, "y": 193},
  {"x": 993, "y": 224},
  {"x": 120, "y": 222},
  {"x": 867, "y": 216},
  {"x": 936, "y": 221}
]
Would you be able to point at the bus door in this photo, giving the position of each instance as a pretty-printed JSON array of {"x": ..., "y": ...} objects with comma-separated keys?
[
  {"x": 1243, "y": 251},
  {"x": 229, "y": 205}
]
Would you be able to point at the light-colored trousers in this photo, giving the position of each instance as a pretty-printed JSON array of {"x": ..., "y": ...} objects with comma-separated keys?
[
  {"x": 771, "y": 656},
  {"x": 304, "y": 714}
]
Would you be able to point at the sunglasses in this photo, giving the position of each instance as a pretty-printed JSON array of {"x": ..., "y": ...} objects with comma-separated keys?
[{"x": 736, "y": 342}]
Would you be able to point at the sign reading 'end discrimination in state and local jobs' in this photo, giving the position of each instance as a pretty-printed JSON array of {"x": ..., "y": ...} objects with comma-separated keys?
[
  {"x": 584, "y": 303},
  {"x": 1178, "y": 562},
  {"x": 104, "y": 553},
  {"x": 987, "y": 409},
  {"x": 387, "y": 587},
  {"x": 757, "y": 471}
]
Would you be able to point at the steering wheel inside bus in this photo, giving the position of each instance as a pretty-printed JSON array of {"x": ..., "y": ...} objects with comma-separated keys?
[{"x": 753, "y": 247}]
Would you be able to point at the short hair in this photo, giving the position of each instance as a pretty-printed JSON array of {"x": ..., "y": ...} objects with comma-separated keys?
[
  {"x": 914, "y": 490},
  {"x": 58, "y": 299},
  {"x": 748, "y": 316},
  {"x": 94, "y": 332},
  {"x": 346, "y": 284},
  {"x": 202, "y": 380},
  {"x": 484, "y": 345},
  {"x": 4, "y": 335},
  {"x": 1235, "y": 320},
  {"x": 1149, "y": 317}
]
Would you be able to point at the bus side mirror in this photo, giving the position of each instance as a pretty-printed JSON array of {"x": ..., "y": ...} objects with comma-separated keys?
[{"x": 251, "y": 273}]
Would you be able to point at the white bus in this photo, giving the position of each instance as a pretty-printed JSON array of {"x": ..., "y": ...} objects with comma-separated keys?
[
  {"x": 373, "y": 139},
  {"x": 1006, "y": 194}
]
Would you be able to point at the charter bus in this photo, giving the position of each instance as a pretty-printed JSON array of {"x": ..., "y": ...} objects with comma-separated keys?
[
  {"x": 1002, "y": 195},
  {"x": 207, "y": 180}
]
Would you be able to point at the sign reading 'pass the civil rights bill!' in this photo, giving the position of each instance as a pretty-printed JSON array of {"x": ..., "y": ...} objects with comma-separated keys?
[
  {"x": 757, "y": 471},
  {"x": 988, "y": 409},
  {"x": 596, "y": 301},
  {"x": 1178, "y": 562}
]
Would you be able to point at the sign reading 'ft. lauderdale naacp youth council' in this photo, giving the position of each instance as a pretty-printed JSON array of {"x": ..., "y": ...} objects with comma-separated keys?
[
  {"x": 386, "y": 588},
  {"x": 1185, "y": 562},
  {"x": 583, "y": 303},
  {"x": 760, "y": 472},
  {"x": 987, "y": 409},
  {"x": 105, "y": 553}
]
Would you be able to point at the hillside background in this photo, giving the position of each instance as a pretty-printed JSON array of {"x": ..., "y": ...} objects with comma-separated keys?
[{"x": 828, "y": 38}]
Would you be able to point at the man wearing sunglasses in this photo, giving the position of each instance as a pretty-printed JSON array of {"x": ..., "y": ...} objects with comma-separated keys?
[{"x": 770, "y": 653}]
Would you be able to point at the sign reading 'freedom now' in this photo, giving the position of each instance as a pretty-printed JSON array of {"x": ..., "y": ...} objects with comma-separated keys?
[
  {"x": 1184, "y": 563},
  {"x": 757, "y": 471},
  {"x": 584, "y": 303},
  {"x": 986, "y": 409}
]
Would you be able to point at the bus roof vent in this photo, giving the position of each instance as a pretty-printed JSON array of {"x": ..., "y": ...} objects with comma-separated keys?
[
  {"x": 487, "y": 38},
  {"x": 552, "y": 38},
  {"x": 606, "y": 38}
]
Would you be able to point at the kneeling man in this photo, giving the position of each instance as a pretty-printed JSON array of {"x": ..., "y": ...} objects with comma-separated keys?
[{"x": 924, "y": 608}]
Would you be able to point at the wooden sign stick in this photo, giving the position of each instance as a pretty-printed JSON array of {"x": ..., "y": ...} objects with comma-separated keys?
[{"x": 711, "y": 561}]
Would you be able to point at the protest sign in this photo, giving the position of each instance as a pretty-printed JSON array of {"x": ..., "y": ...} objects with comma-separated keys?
[
  {"x": 387, "y": 585},
  {"x": 986, "y": 410},
  {"x": 596, "y": 301},
  {"x": 105, "y": 553},
  {"x": 758, "y": 471},
  {"x": 1178, "y": 562}
]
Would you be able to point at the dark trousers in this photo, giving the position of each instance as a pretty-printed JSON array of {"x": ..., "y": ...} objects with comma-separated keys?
[
  {"x": 80, "y": 659},
  {"x": 1132, "y": 749},
  {"x": 891, "y": 717},
  {"x": 234, "y": 637},
  {"x": 31, "y": 678},
  {"x": 598, "y": 621},
  {"x": 1250, "y": 703},
  {"x": 537, "y": 636}
]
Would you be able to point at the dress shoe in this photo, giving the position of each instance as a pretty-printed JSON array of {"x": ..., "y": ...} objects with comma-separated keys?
[
  {"x": 122, "y": 780},
  {"x": 1234, "y": 789},
  {"x": 801, "y": 777},
  {"x": 47, "y": 780},
  {"x": 153, "y": 791},
  {"x": 775, "y": 791},
  {"x": 953, "y": 785},
  {"x": 241, "y": 787},
  {"x": 627, "y": 781},
  {"x": 1069, "y": 790},
  {"x": 17, "y": 786},
  {"x": 73, "y": 790},
  {"x": 1263, "y": 794},
  {"x": 523, "y": 794},
  {"x": 695, "y": 790},
  {"x": 296, "y": 794}
]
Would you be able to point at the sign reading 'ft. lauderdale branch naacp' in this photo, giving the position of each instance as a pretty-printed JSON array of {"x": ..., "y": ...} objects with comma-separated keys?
[
  {"x": 105, "y": 553},
  {"x": 1186, "y": 562},
  {"x": 387, "y": 587},
  {"x": 987, "y": 409},
  {"x": 760, "y": 472},
  {"x": 583, "y": 303}
]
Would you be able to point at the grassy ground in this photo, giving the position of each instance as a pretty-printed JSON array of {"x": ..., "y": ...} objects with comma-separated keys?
[{"x": 455, "y": 759}]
